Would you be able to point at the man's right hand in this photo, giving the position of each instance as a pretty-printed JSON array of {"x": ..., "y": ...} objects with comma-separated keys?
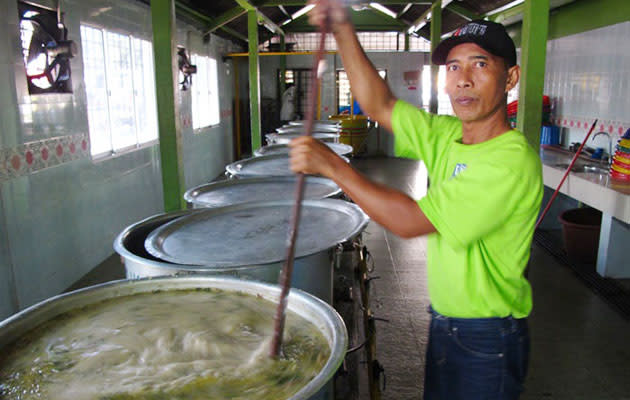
[
  {"x": 310, "y": 156},
  {"x": 333, "y": 9}
]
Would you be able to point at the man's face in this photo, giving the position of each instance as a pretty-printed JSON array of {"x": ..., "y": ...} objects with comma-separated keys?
[{"x": 476, "y": 82}]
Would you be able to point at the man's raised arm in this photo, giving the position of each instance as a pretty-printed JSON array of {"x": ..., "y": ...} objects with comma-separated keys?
[{"x": 368, "y": 88}]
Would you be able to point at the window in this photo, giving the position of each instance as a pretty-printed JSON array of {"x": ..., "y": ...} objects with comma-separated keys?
[
  {"x": 119, "y": 83},
  {"x": 370, "y": 41},
  {"x": 205, "y": 92},
  {"x": 344, "y": 94},
  {"x": 416, "y": 43}
]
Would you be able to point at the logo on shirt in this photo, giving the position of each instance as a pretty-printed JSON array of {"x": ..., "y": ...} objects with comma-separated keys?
[{"x": 458, "y": 168}]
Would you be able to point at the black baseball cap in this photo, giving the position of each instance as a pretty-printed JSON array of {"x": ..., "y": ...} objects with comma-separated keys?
[{"x": 488, "y": 35}]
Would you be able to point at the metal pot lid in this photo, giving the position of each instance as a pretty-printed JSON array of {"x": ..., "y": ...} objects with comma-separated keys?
[
  {"x": 316, "y": 135},
  {"x": 236, "y": 191},
  {"x": 317, "y": 128},
  {"x": 340, "y": 148},
  {"x": 285, "y": 138},
  {"x": 254, "y": 233},
  {"x": 271, "y": 165},
  {"x": 323, "y": 122}
]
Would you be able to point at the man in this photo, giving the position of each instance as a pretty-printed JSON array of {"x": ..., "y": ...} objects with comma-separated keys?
[{"x": 479, "y": 212}]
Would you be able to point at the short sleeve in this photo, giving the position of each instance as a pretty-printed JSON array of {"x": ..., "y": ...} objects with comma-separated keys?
[
  {"x": 419, "y": 134},
  {"x": 477, "y": 201}
]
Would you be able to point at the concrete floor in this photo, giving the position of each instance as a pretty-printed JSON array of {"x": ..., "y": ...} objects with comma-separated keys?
[{"x": 580, "y": 346}]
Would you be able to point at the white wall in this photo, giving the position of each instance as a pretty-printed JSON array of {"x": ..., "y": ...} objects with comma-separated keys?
[{"x": 588, "y": 74}]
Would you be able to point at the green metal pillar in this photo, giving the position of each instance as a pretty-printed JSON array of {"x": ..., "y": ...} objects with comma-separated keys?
[
  {"x": 283, "y": 66},
  {"x": 171, "y": 157},
  {"x": 406, "y": 41},
  {"x": 533, "y": 54},
  {"x": 254, "y": 77},
  {"x": 436, "y": 34}
]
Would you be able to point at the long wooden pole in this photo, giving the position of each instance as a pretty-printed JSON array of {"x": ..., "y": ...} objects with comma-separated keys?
[{"x": 287, "y": 269}]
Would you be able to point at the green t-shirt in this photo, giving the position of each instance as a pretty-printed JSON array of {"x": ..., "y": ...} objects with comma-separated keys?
[{"x": 483, "y": 200}]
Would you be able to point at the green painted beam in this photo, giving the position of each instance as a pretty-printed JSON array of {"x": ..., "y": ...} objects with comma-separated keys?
[
  {"x": 164, "y": 51},
  {"x": 262, "y": 18},
  {"x": 254, "y": 78},
  {"x": 533, "y": 55},
  {"x": 436, "y": 34},
  {"x": 580, "y": 16},
  {"x": 183, "y": 9},
  {"x": 585, "y": 15},
  {"x": 225, "y": 18},
  {"x": 269, "y": 24},
  {"x": 246, "y": 5},
  {"x": 462, "y": 11}
]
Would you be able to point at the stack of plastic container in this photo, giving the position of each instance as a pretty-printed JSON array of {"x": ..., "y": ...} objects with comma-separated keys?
[
  {"x": 512, "y": 110},
  {"x": 620, "y": 168}
]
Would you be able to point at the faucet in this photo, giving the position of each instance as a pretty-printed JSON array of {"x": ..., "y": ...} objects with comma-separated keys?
[{"x": 609, "y": 146}]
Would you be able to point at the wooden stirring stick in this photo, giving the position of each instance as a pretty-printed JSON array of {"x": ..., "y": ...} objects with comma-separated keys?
[{"x": 287, "y": 268}]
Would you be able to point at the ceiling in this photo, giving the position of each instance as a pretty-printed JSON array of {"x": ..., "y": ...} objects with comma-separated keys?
[{"x": 228, "y": 18}]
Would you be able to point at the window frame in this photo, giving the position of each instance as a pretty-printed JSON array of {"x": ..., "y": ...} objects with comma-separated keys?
[
  {"x": 208, "y": 59},
  {"x": 112, "y": 152}
]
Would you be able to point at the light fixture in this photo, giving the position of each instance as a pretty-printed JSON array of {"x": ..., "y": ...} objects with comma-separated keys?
[
  {"x": 505, "y": 7},
  {"x": 423, "y": 22},
  {"x": 302, "y": 11},
  {"x": 383, "y": 9}
]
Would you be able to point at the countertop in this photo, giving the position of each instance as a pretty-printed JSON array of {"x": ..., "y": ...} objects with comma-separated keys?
[{"x": 597, "y": 190}]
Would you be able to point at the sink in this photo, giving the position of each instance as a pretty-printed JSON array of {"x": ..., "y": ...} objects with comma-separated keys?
[
  {"x": 594, "y": 169},
  {"x": 584, "y": 168}
]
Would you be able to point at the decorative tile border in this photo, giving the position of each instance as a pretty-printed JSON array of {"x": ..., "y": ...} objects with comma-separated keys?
[
  {"x": 615, "y": 128},
  {"x": 41, "y": 154}
]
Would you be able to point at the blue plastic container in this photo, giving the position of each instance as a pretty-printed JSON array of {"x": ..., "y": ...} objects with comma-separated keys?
[{"x": 550, "y": 134}]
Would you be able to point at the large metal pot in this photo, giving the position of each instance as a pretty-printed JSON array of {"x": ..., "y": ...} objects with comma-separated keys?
[
  {"x": 285, "y": 138},
  {"x": 236, "y": 191},
  {"x": 272, "y": 165},
  {"x": 244, "y": 240},
  {"x": 320, "y": 314},
  {"x": 339, "y": 148}
]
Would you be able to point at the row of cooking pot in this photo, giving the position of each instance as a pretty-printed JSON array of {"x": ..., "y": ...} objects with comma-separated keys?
[
  {"x": 234, "y": 229},
  {"x": 239, "y": 226},
  {"x": 326, "y": 131}
]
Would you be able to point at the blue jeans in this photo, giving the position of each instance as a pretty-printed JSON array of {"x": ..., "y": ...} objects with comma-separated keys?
[{"x": 476, "y": 358}]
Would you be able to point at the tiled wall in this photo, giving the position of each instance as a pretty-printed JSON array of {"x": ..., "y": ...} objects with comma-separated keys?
[
  {"x": 588, "y": 75},
  {"x": 60, "y": 209}
]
